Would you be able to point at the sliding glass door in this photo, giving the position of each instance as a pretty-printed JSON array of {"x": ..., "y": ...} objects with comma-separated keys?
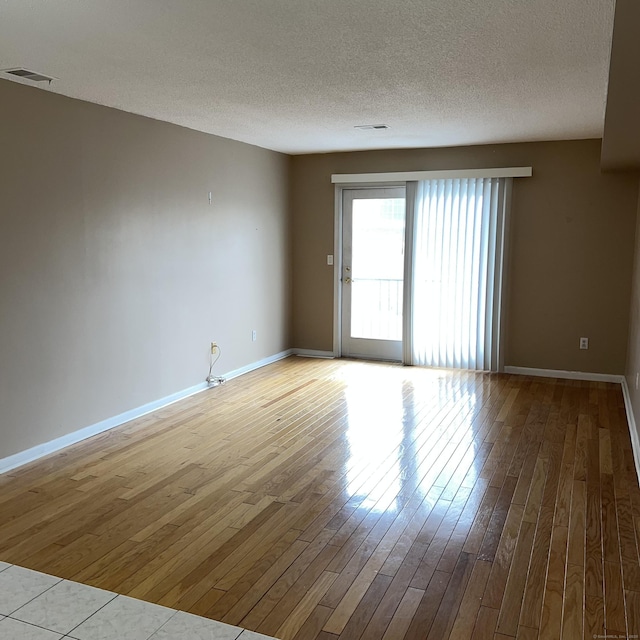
[{"x": 439, "y": 302}]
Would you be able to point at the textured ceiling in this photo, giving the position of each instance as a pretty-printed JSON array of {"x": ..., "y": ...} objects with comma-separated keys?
[{"x": 298, "y": 75}]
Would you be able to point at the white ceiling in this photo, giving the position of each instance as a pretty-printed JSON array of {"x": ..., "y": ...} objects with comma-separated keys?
[{"x": 297, "y": 75}]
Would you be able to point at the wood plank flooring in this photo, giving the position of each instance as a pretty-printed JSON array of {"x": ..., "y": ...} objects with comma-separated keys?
[{"x": 318, "y": 499}]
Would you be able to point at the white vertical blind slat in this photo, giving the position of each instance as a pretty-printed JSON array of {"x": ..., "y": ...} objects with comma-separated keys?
[
  {"x": 464, "y": 287},
  {"x": 457, "y": 288}
]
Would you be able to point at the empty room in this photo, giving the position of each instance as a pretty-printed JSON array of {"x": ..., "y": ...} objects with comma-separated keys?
[{"x": 319, "y": 320}]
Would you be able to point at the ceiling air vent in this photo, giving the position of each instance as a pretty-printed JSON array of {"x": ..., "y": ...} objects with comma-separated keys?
[
  {"x": 369, "y": 127},
  {"x": 34, "y": 76}
]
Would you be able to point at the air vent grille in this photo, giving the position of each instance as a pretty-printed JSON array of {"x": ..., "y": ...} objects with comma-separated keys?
[
  {"x": 370, "y": 127},
  {"x": 28, "y": 75}
]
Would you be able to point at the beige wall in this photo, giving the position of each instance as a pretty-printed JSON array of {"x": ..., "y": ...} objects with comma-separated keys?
[
  {"x": 115, "y": 273},
  {"x": 621, "y": 139},
  {"x": 633, "y": 354},
  {"x": 571, "y": 248}
]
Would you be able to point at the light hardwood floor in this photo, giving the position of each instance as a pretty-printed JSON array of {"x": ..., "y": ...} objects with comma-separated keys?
[{"x": 338, "y": 499}]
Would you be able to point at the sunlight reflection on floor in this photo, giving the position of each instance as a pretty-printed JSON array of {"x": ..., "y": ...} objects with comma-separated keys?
[{"x": 388, "y": 442}]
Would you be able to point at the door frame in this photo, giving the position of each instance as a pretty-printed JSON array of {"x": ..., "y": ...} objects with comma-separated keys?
[{"x": 337, "y": 252}]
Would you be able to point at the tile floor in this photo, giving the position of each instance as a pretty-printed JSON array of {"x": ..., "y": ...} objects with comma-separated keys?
[{"x": 37, "y": 606}]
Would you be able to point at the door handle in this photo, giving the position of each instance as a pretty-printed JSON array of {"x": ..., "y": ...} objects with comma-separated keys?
[{"x": 347, "y": 280}]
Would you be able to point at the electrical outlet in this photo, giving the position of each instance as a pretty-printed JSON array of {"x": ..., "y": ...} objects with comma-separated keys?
[
  {"x": 584, "y": 343},
  {"x": 214, "y": 347},
  {"x": 254, "y": 335}
]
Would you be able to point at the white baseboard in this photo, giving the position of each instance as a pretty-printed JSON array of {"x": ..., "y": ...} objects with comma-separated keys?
[
  {"x": 257, "y": 365},
  {"x": 314, "y": 353},
  {"x": 39, "y": 451},
  {"x": 633, "y": 429},
  {"x": 566, "y": 375}
]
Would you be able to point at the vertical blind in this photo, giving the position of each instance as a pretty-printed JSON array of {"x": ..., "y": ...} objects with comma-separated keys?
[{"x": 456, "y": 281}]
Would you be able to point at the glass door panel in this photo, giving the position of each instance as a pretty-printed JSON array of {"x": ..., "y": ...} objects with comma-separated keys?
[{"x": 373, "y": 267}]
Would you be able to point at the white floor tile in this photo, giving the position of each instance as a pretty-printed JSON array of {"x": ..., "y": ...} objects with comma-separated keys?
[
  {"x": 64, "y": 606},
  {"x": 43, "y": 607},
  {"x": 19, "y": 586},
  {"x": 15, "y": 630},
  {"x": 123, "y": 619},
  {"x": 186, "y": 625}
]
